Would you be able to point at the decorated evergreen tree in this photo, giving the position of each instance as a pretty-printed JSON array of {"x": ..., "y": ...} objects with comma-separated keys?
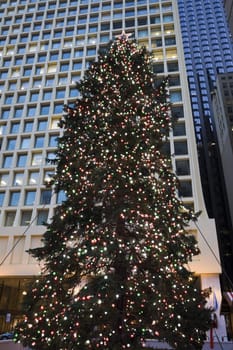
[{"x": 116, "y": 251}]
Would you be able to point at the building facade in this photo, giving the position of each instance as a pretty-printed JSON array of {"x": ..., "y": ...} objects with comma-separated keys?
[
  {"x": 208, "y": 52},
  {"x": 45, "y": 47},
  {"x": 229, "y": 11}
]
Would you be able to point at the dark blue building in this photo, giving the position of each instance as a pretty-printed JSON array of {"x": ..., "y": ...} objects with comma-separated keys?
[{"x": 208, "y": 52}]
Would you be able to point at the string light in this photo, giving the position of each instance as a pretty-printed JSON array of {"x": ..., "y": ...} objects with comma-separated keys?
[{"x": 115, "y": 252}]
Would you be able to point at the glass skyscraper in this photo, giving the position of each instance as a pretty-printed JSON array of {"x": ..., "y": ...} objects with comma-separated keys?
[
  {"x": 208, "y": 53},
  {"x": 45, "y": 47}
]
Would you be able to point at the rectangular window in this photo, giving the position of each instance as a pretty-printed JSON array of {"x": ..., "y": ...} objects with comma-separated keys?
[
  {"x": 45, "y": 197},
  {"x": 44, "y": 110},
  {"x": 37, "y": 159},
  {"x": 28, "y": 126},
  {"x": 61, "y": 197},
  {"x": 4, "y": 178},
  {"x": 58, "y": 108},
  {"x": 42, "y": 217},
  {"x": 181, "y": 147},
  {"x": 25, "y": 217},
  {"x": 18, "y": 179},
  {"x": 21, "y": 98},
  {"x": 39, "y": 142},
  {"x": 33, "y": 178},
  {"x": 64, "y": 67},
  {"x": 14, "y": 198},
  {"x": 25, "y": 142},
  {"x": 14, "y": 128},
  {"x": 2, "y": 195},
  {"x": 53, "y": 140},
  {"x": 7, "y": 161},
  {"x": 60, "y": 93},
  {"x": 182, "y": 167},
  {"x": 22, "y": 160},
  {"x": 31, "y": 111},
  {"x": 5, "y": 114},
  {"x": 11, "y": 144},
  {"x": 10, "y": 218},
  {"x": 179, "y": 129},
  {"x": 42, "y": 125},
  {"x": 29, "y": 197},
  {"x": 47, "y": 95}
]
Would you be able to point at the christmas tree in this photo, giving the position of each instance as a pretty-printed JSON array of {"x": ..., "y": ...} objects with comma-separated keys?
[{"x": 116, "y": 251}]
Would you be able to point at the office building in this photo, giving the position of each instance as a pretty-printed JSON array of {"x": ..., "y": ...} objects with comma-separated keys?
[
  {"x": 208, "y": 52},
  {"x": 45, "y": 47},
  {"x": 229, "y": 11},
  {"x": 223, "y": 118}
]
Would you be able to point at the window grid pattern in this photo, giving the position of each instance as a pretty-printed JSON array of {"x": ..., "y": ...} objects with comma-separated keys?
[{"x": 45, "y": 48}]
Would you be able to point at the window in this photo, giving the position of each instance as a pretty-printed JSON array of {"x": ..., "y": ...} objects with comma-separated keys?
[
  {"x": 14, "y": 128},
  {"x": 14, "y": 198},
  {"x": 25, "y": 142},
  {"x": 48, "y": 175},
  {"x": 21, "y": 98},
  {"x": 37, "y": 82},
  {"x": 39, "y": 142},
  {"x": 2, "y": 129},
  {"x": 51, "y": 158},
  {"x": 12, "y": 85},
  {"x": 58, "y": 108},
  {"x": 91, "y": 51},
  {"x": 25, "y": 217},
  {"x": 5, "y": 114},
  {"x": 60, "y": 93},
  {"x": 66, "y": 54},
  {"x": 179, "y": 129},
  {"x": 78, "y": 53},
  {"x": 44, "y": 110},
  {"x": 29, "y": 59},
  {"x": 7, "y": 161},
  {"x": 185, "y": 189},
  {"x": 54, "y": 56},
  {"x": 33, "y": 178},
  {"x": 52, "y": 68},
  {"x": 4, "y": 178},
  {"x": 47, "y": 95},
  {"x": 42, "y": 125},
  {"x": 29, "y": 197},
  {"x": 55, "y": 123},
  {"x": 28, "y": 126},
  {"x": 177, "y": 112},
  {"x": 22, "y": 160},
  {"x": 45, "y": 197},
  {"x": 11, "y": 144},
  {"x": 6, "y": 62},
  {"x": 42, "y": 217},
  {"x": 64, "y": 67},
  {"x": 61, "y": 197},
  {"x": 175, "y": 96},
  {"x": 18, "y": 179},
  {"x": 172, "y": 66},
  {"x": 31, "y": 111},
  {"x": 62, "y": 80},
  {"x": 53, "y": 139},
  {"x": 2, "y": 195},
  {"x": 180, "y": 147},
  {"x": 37, "y": 159},
  {"x": 182, "y": 167},
  {"x": 10, "y": 218},
  {"x": 8, "y": 98}
]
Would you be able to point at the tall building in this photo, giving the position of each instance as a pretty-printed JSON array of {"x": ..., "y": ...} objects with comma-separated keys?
[
  {"x": 208, "y": 52},
  {"x": 45, "y": 47},
  {"x": 229, "y": 11}
]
